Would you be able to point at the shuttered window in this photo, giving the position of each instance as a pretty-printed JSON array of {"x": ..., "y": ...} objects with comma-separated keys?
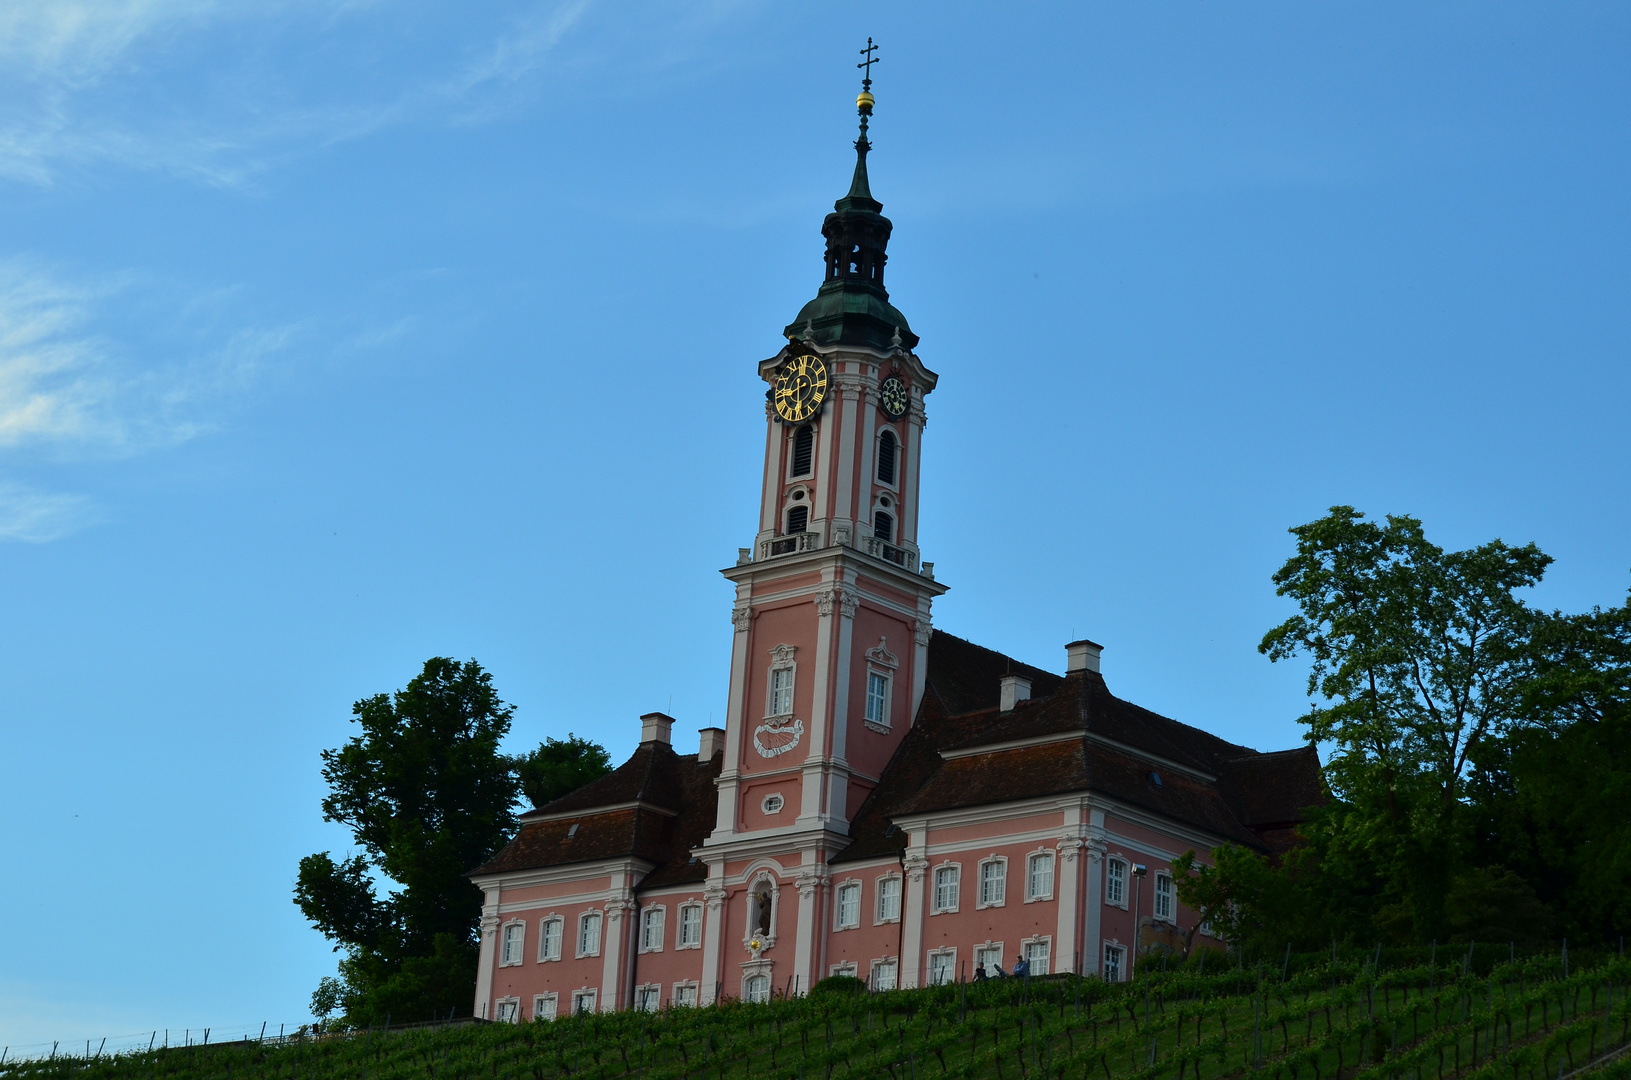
[
  {"x": 798, "y": 519},
  {"x": 883, "y": 526},
  {"x": 886, "y": 457},
  {"x": 803, "y": 450}
]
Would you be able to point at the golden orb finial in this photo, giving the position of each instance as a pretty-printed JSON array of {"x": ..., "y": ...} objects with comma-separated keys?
[{"x": 864, "y": 101}]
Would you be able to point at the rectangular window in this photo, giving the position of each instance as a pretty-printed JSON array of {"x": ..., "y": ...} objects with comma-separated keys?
[
  {"x": 945, "y": 888},
  {"x": 849, "y": 905},
  {"x": 888, "y": 899},
  {"x": 848, "y": 969},
  {"x": 993, "y": 882},
  {"x": 883, "y": 975},
  {"x": 756, "y": 989},
  {"x": 543, "y": 1007},
  {"x": 1039, "y": 883},
  {"x": 648, "y": 998},
  {"x": 1115, "y": 882},
  {"x": 781, "y": 691},
  {"x": 583, "y": 1002},
  {"x": 1036, "y": 956},
  {"x": 589, "y": 936},
  {"x": 1163, "y": 897},
  {"x": 514, "y": 935},
  {"x": 989, "y": 957},
  {"x": 877, "y": 699},
  {"x": 549, "y": 939},
  {"x": 651, "y": 930},
  {"x": 690, "y": 926},
  {"x": 942, "y": 968},
  {"x": 685, "y": 995},
  {"x": 1114, "y": 958},
  {"x": 509, "y": 1011}
]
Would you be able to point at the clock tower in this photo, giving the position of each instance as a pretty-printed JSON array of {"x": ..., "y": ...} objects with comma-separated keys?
[{"x": 831, "y": 614}]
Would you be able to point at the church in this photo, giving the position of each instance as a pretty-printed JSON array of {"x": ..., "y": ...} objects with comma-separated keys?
[{"x": 885, "y": 800}]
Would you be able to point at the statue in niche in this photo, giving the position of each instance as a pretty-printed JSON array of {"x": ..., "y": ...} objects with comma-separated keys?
[{"x": 761, "y": 900}]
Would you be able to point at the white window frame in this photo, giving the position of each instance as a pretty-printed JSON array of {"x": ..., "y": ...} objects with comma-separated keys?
[
  {"x": 952, "y": 872},
  {"x": 687, "y": 994},
  {"x": 993, "y": 951},
  {"x": 648, "y": 997},
  {"x": 769, "y": 809},
  {"x": 1031, "y": 859},
  {"x": 544, "y": 956},
  {"x": 781, "y": 661},
  {"x": 1114, "y": 962},
  {"x": 585, "y": 993},
  {"x": 890, "y": 964},
  {"x": 850, "y": 885},
  {"x": 792, "y": 444},
  {"x": 507, "y": 1010},
  {"x": 749, "y": 995},
  {"x": 879, "y": 918},
  {"x": 600, "y": 937},
  {"x": 848, "y": 967},
  {"x": 1027, "y": 944},
  {"x": 545, "y": 1006},
  {"x": 659, "y": 912},
  {"x": 1170, "y": 896},
  {"x": 508, "y": 957},
  {"x": 980, "y": 900},
  {"x": 878, "y": 718},
  {"x": 1115, "y": 886},
  {"x": 947, "y": 958},
  {"x": 690, "y": 915},
  {"x": 877, "y": 457}
]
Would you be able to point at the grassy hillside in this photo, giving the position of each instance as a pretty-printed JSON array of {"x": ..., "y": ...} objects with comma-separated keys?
[{"x": 1473, "y": 1019}]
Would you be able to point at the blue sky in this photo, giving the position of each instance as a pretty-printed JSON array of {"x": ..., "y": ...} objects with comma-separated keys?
[{"x": 337, "y": 335}]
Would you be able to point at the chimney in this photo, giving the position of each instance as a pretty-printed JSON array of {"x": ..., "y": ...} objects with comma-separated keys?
[
  {"x": 1015, "y": 688},
  {"x": 712, "y": 742},
  {"x": 1082, "y": 655},
  {"x": 654, "y": 727}
]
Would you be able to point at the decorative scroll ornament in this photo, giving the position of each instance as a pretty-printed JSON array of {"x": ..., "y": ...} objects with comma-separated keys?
[
  {"x": 1070, "y": 848},
  {"x": 921, "y": 629},
  {"x": 777, "y": 735},
  {"x": 881, "y": 655},
  {"x": 741, "y": 618}
]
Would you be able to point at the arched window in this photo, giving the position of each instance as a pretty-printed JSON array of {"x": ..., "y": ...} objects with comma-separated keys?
[
  {"x": 886, "y": 457},
  {"x": 756, "y": 990},
  {"x": 803, "y": 451},
  {"x": 798, "y": 519},
  {"x": 883, "y": 526}
]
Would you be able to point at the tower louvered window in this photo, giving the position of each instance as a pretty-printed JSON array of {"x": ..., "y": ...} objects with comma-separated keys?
[
  {"x": 883, "y": 526},
  {"x": 886, "y": 458},
  {"x": 803, "y": 450},
  {"x": 798, "y": 519}
]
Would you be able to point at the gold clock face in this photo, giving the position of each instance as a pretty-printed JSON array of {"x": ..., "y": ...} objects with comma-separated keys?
[
  {"x": 801, "y": 386},
  {"x": 893, "y": 397}
]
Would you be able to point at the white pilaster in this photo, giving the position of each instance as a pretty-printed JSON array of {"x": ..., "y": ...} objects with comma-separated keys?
[
  {"x": 1069, "y": 893},
  {"x": 489, "y": 949},
  {"x": 713, "y": 938},
  {"x": 810, "y": 879},
  {"x": 912, "y": 911},
  {"x": 1096, "y": 847}
]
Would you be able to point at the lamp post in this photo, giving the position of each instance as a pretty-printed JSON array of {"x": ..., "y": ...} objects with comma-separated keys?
[{"x": 1139, "y": 870}]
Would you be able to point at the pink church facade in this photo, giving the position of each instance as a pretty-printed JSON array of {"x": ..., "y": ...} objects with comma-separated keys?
[{"x": 885, "y": 800}]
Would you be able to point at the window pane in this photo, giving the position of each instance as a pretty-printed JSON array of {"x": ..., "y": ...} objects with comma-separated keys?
[
  {"x": 883, "y": 976},
  {"x": 781, "y": 691},
  {"x": 877, "y": 698},
  {"x": 1115, "y": 882},
  {"x": 889, "y": 898},
  {"x": 941, "y": 969},
  {"x": 1036, "y": 956},
  {"x": 690, "y": 925},
  {"x": 549, "y": 940},
  {"x": 1041, "y": 875}
]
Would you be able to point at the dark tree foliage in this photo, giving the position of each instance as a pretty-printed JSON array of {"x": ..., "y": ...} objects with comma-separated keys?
[
  {"x": 558, "y": 767},
  {"x": 427, "y": 797},
  {"x": 1478, "y": 752}
]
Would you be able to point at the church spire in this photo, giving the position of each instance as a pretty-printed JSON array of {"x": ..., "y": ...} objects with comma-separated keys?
[{"x": 852, "y": 307}]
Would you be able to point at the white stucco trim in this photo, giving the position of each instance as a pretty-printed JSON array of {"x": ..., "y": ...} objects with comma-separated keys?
[{"x": 980, "y": 902}]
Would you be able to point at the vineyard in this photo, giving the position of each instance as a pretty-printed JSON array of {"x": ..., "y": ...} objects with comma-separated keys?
[{"x": 1306, "y": 1018}]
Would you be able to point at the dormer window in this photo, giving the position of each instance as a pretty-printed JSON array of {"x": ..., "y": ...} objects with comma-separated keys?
[
  {"x": 886, "y": 457},
  {"x": 803, "y": 452}
]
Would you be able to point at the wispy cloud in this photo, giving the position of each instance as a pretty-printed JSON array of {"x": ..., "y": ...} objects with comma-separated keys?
[
  {"x": 71, "y": 390},
  {"x": 219, "y": 92}
]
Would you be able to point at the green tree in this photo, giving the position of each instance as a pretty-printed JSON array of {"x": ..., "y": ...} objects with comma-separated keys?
[
  {"x": 427, "y": 796},
  {"x": 560, "y": 766},
  {"x": 1419, "y": 663}
]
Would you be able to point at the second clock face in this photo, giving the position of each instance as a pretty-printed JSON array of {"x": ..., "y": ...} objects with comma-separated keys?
[
  {"x": 893, "y": 397},
  {"x": 801, "y": 386}
]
